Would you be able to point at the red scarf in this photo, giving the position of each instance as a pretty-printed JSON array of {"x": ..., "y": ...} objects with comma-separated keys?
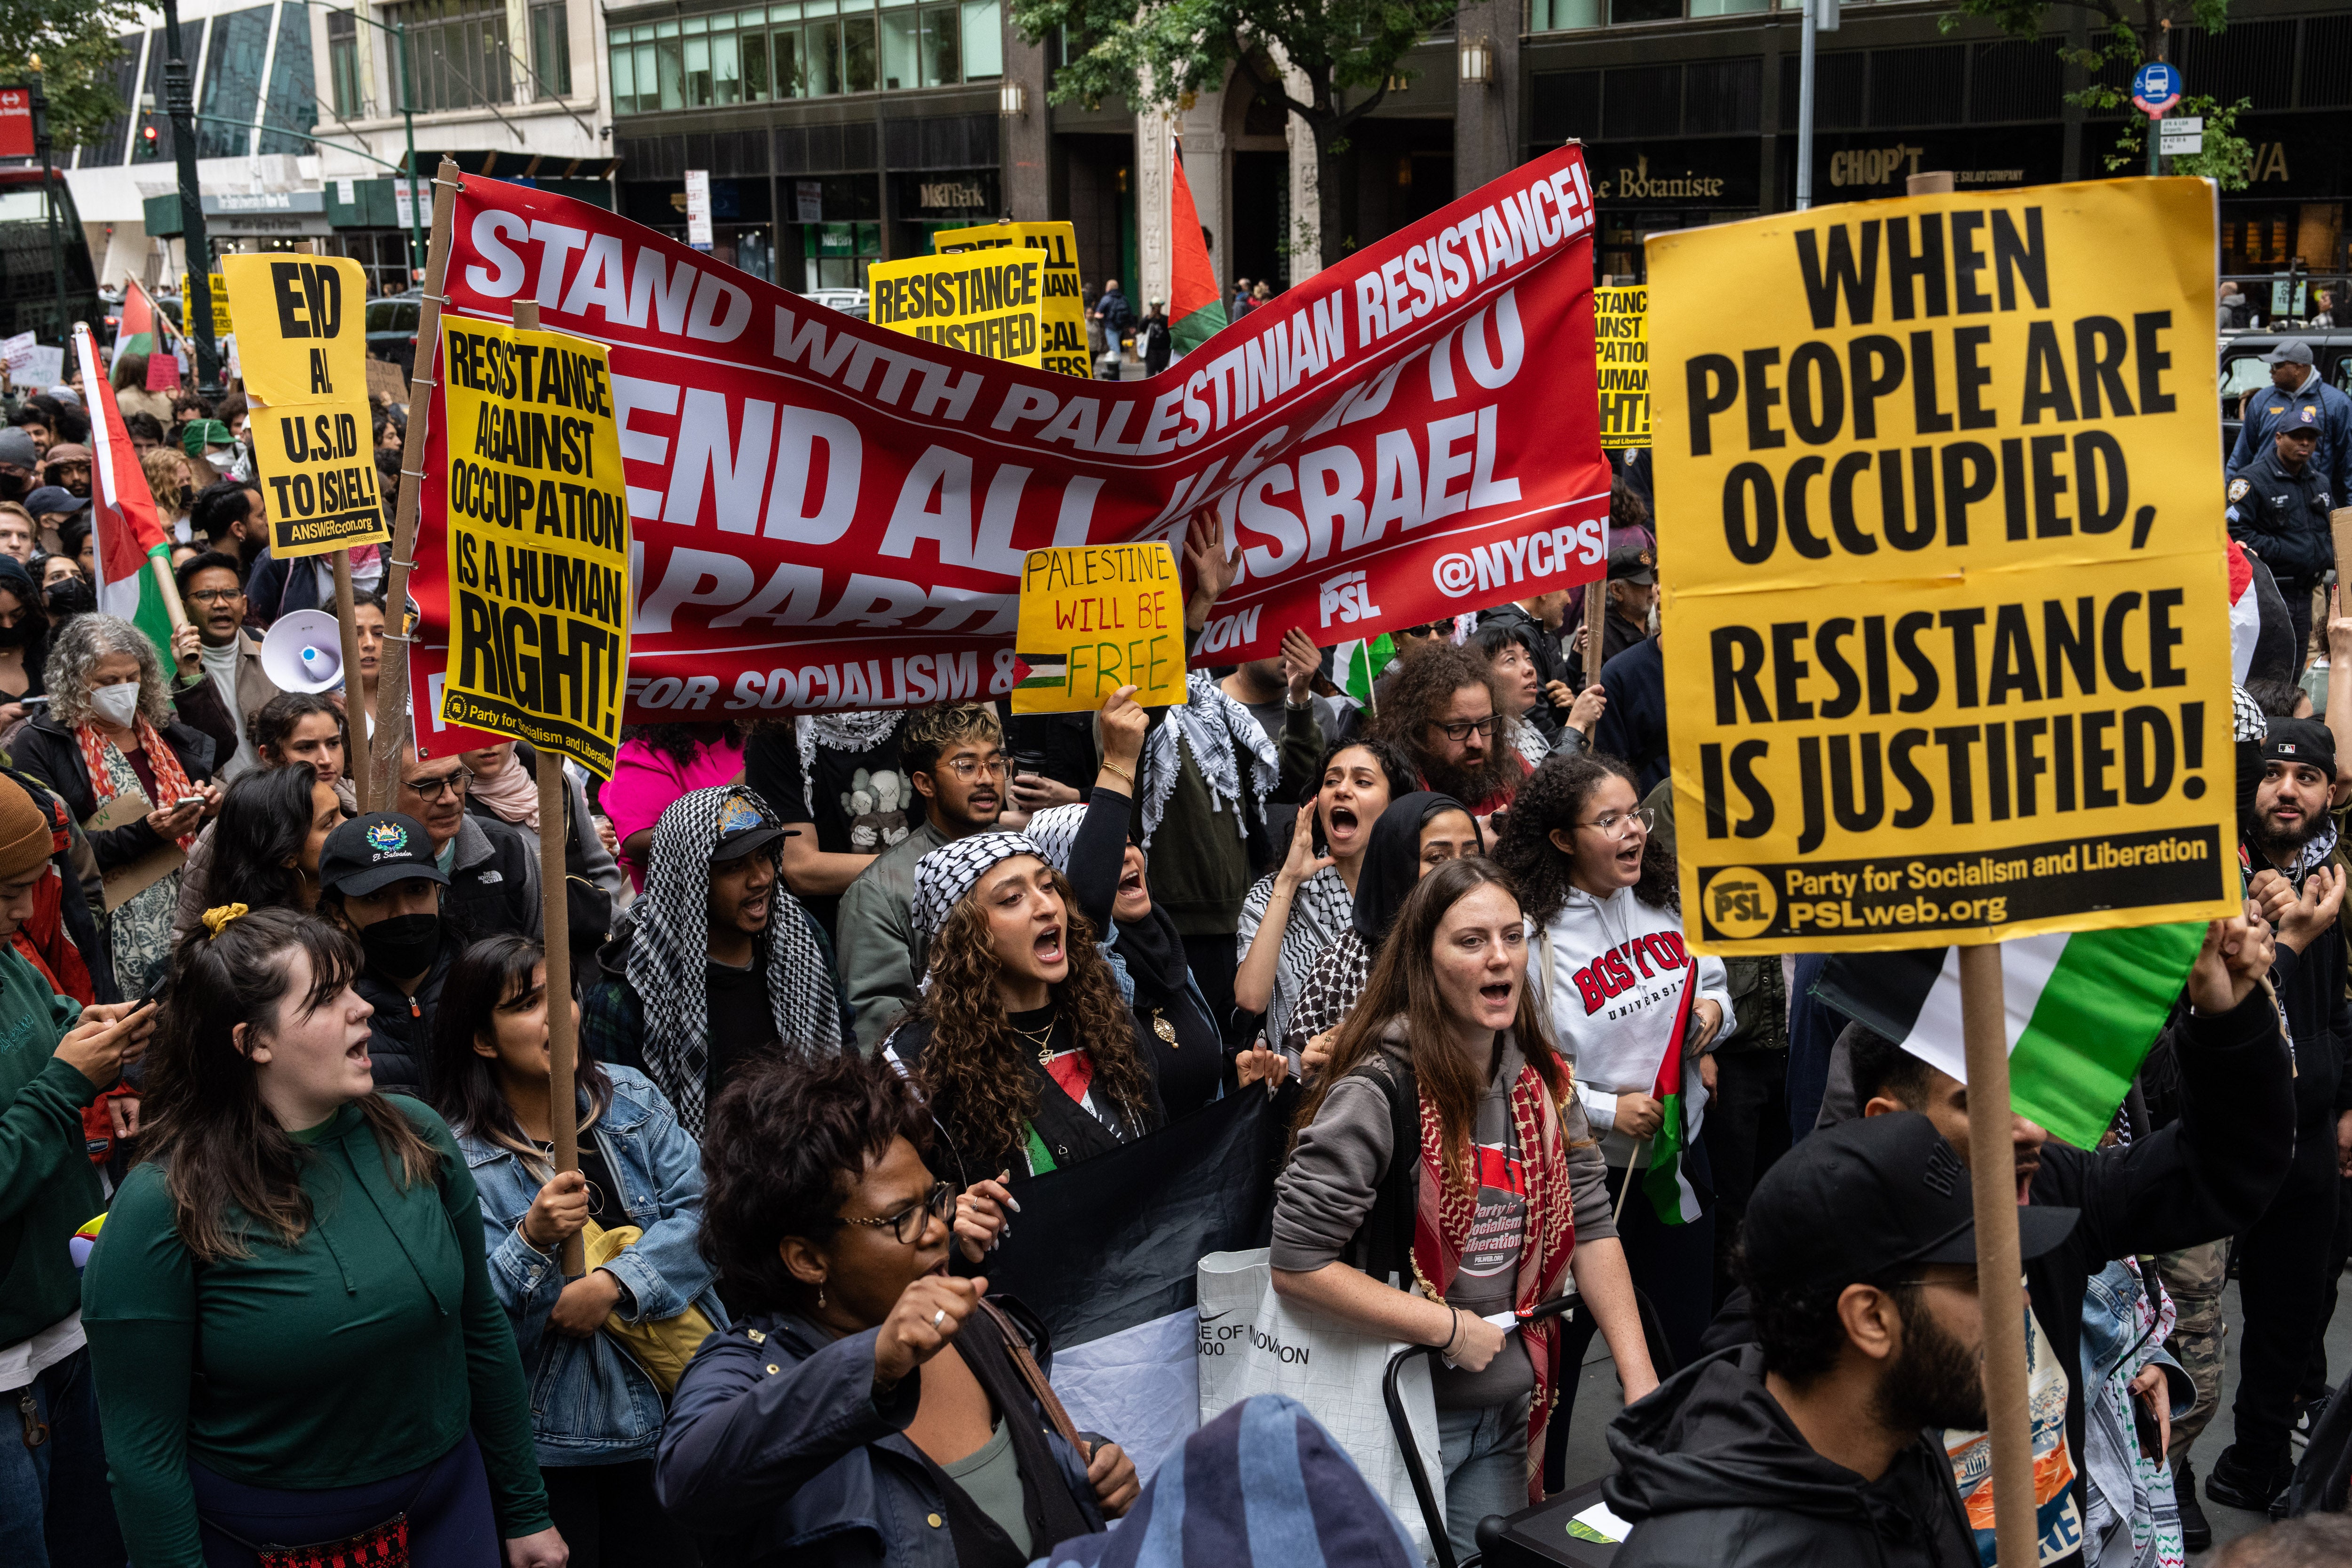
[
  {"x": 1440, "y": 1230},
  {"x": 171, "y": 779}
]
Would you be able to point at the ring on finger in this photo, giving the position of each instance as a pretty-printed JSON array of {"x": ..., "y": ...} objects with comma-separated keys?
[{"x": 939, "y": 1317}]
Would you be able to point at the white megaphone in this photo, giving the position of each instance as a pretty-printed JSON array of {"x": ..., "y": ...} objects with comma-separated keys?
[{"x": 303, "y": 651}]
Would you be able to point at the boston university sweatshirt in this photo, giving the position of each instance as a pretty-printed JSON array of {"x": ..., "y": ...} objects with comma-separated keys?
[{"x": 1611, "y": 972}]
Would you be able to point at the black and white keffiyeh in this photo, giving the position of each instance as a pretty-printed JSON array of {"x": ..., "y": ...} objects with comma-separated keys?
[
  {"x": 1320, "y": 911},
  {"x": 945, "y": 875},
  {"x": 1218, "y": 732},
  {"x": 838, "y": 733},
  {"x": 1054, "y": 831},
  {"x": 668, "y": 956}
]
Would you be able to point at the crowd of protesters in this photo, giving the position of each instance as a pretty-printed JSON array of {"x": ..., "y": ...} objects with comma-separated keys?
[{"x": 289, "y": 1263}]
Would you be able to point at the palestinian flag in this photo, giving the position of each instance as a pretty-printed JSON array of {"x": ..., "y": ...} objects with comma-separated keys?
[
  {"x": 2246, "y": 614},
  {"x": 1196, "y": 309},
  {"x": 1664, "y": 1184},
  {"x": 1357, "y": 663},
  {"x": 1040, "y": 671},
  {"x": 136, "y": 333},
  {"x": 2082, "y": 1009},
  {"x": 133, "y": 557},
  {"x": 1107, "y": 1255}
]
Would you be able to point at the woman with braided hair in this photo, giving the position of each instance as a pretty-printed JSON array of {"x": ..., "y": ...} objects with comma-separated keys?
[{"x": 1022, "y": 1044}]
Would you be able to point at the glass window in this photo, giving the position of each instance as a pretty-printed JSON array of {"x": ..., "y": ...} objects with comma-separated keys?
[
  {"x": 1644, "y": 10},
  {"x": 858, "y": 73},
  {"x": 670, "y": 65},
  {"x": 292, "y": 104},
  {"x": 983, "y": 39},
  {"x": 823, "y": 62},
  {"x": 1552, "y": 15},
  {"x": 755, "y": 66},
  {"x": 1727, "y": 8},
  {"x": 899, "y": 25},
  {"x": 458, "y": 49},
  {"x": 697, "y": 72},
  {"x": 666, "y": 30},
  {"x": 783, "y": 12},
  {"x": 551, "y": 51},
  {"x": 232, "y": 83},
  {"x": 624, "y": 80},
  {"x": 343, "y": 63},
  {"x": 725, "y": 68},
  {"x": 942, "y": 56},
  {"x": 695, "y": 25}
]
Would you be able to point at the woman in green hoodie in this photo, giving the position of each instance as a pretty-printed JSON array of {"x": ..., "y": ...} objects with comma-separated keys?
[{"x": 295, "y": 1335}]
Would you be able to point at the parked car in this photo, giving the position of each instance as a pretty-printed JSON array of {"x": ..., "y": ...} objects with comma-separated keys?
[
  {"x": 2243, "y": 370},
  {"x": 848, "y": 302},
  {"x": 392, "y": 329}
]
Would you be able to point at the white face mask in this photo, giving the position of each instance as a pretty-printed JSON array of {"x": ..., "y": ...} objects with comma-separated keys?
[{"x": 118, "y": 705}]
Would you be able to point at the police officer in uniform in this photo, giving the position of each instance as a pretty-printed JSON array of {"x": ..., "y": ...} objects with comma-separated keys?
[
  {"x": 1632, "y": 589},
  {"x": 2296, "y": 385},
  {"x": 2278, "y": 510}
]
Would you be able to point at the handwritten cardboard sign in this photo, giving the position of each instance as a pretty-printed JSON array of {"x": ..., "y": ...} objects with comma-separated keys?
[{"x": 1095, "y": 618}]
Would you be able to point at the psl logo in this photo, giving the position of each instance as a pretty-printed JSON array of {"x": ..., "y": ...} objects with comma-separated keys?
[{"x": 1348, "y": 596}]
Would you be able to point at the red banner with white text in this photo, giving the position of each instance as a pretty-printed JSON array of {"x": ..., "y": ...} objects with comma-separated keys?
[{"x": 825, "y": 514}]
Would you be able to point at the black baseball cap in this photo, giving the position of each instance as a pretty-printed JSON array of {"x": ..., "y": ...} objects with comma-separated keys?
[
  {"x": 742, "y": 827},
  {"x": 2301, "y": 740},
  {"x": 369, "y": 853},
  {"x": 1633, "y": 563},
  {"x": 1856, "y": 1200}
]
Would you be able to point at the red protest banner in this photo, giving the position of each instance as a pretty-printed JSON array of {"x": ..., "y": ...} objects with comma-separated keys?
[{"x": 826, "y": 514}]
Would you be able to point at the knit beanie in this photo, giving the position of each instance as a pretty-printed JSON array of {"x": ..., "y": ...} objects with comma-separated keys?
[{"x": 25, "y": 841}]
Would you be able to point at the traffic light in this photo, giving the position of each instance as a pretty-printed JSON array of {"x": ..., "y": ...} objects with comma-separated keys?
[{"x": 146, "y": 141}]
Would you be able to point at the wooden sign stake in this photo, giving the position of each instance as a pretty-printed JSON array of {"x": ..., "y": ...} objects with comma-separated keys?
[
  {"x": 354, "y": 699},
  {"x": 555, "y": 919},
  {"x": 2000, "y": 1291},
  {"x": 1596, "y": 616},
  {"x": 393, "y": 725}
]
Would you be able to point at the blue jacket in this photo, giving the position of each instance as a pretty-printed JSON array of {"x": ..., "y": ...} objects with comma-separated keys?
[
  {"x": 2272, "y": 408},
  {"x": 776, "y": 1452},
  {"x": 590, "y": 1405}
]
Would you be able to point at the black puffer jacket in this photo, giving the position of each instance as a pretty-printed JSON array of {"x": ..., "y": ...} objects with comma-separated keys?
[
  {"x": 400, "y": 1039},
  {"x": 1711, "y": 1470}
]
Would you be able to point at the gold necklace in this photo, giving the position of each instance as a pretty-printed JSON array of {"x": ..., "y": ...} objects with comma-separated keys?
[
  {"x": 1040, "y": 1040},
  {"x": 1163, "y": 1029}
]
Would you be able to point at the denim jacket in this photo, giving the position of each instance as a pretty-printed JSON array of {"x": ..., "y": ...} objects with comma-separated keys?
[{"x": 589, "y": 1403}]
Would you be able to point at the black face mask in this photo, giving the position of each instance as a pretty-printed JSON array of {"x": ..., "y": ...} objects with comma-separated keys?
[
  {"x": 16, "y": 487},
  {"x": 11, "y": 637},
  {"x": 404, "y": 944}
]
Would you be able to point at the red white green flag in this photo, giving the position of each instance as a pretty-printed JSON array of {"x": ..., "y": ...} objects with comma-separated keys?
[
  {"x": 1196, "y": 307},
  {"x": 136, "y": 334},
  {"x": 133, "y": 557},
  {"x": 1664, "y": 1184}
]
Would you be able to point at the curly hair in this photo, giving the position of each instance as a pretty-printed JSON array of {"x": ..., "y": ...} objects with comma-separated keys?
[
  {"x": 782, "y": 1147},
  {"x": 974, "y": 1073},
  {"x": 1420, "y": 691},
  {"x": 74, "y": 654},
  {"x": 1554, "y": 798},
  {"x": 929, "y": 732}
]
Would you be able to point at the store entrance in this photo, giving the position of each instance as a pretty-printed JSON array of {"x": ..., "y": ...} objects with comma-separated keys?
[{"x": 1618, "y": 258}]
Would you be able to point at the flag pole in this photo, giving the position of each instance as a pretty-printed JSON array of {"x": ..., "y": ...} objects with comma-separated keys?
[
  {"x": 555, "y": 921},
  {"x": 354, "y": 699},
  {"x": 1596, "y": 612},
  {"x": 1631, "y": 1164},
  {"x": 392, "y": 721},
  {"x": 2000, "y": 1288}
]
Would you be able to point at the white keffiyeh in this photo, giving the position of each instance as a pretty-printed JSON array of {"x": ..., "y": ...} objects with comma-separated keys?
[
  {"x": 838, "y": 733},
  {"x": 945, "y": 875},
  {"x": 1055, "y": 832},
  {"x": 1320, "y": 911},
  {"x": 669, "y": 954},
  {"x": 1217, "y": 730}
]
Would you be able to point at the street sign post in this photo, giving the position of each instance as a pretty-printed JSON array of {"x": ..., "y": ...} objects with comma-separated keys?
[{"x": 2181, "y": 136}]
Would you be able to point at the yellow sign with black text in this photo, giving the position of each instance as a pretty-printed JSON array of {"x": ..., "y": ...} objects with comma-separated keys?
[
  {"x": 538, "y": 542},
  {"x": 1621, "y": 351},
  {"x": 990, "y": 302},
  {"x": 1062, "y": 310},
  {"x": 303, "y": 355},
  {"x": 1945, "y": 613},
  {"x": 1096, "y": 617}
]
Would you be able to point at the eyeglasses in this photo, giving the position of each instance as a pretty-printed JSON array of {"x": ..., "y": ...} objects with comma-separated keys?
[
  {"x": 1621, "y": 824},
  {"x": 939, "y": 1201},
  {"x": 969, "y": 768},
  {"x": 447, "y": 785},
  {"x": 1461, "y": 731},
  {"x": 213, "y": 596}
]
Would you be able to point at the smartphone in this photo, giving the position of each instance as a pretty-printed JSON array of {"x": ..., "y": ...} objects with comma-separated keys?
[
  {"x": 187, "y": 800},
  {"x": 30, "y": 701}
]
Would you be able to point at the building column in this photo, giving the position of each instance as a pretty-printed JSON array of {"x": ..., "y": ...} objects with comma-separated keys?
[
  {"x": 1028, "y": 137},
  {"x": 1154, "y": 153},
  {"x": 1486, "y": 118},
  {"x": 1306, "y": 236}
]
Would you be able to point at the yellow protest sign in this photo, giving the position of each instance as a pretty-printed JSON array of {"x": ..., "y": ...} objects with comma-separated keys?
[
  {"x": 539, "y": 541},
  {"x": 1093, "y": 619},
  {"x": 304, "y": 319},
  {"x": 317, "y": 463},
  {"x": 1946, "y": 616},
  {"x": 990, "y": 302},
  {"x": 1062, "y": 314},
  {"x": 1622, "y": 351}
]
